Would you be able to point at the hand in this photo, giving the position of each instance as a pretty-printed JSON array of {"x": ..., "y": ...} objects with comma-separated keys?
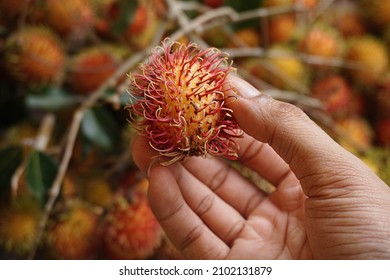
[{"x": 327, "y": 203}]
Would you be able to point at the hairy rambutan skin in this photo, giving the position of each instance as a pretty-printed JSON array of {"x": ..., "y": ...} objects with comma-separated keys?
[
  {"x": 180, "y": 102},
  {"x": 34, "y": 55}
]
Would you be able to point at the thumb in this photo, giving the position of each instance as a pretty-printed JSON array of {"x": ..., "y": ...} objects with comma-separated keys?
[{"x": 314, "y": 157}]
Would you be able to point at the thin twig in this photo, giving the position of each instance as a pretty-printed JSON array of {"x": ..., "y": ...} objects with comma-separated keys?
[
  {"x": 198, "y": 21},
  {"x": 178, "y": 14},
  {"x": 306, "y": 58},
  {"x": 40, "y": 143}
]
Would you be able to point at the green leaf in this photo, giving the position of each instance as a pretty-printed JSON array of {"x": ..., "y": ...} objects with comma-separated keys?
[
  {"x": 10, "y": 159},
  {"x": 40, "y": 173},
  {"x": 52, "y": 100},
  {"x": 127, "y": 9},
  {"x": 100, "y": 128}
]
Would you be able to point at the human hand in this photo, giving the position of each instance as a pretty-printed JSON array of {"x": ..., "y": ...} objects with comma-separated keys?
[{"x": 327, "y": 203}]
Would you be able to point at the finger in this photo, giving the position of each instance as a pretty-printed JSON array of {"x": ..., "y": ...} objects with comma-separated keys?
[
  {"x": 226, "y": 182},
  {"x": 295, "y": 138},
  {"x": 183, "y": 227},
  {"x": 220, "y": 217},
  {"x": 261, "y": 158},
  {"x": 142, "y": 153}
]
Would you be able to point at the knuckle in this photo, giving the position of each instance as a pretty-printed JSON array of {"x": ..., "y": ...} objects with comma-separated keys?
[
  {"x": 282, "y": 110},
  {"x": 205, "y": 205}
]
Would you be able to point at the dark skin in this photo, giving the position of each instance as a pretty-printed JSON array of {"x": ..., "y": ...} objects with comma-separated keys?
[{"x": 327, "y": 205}]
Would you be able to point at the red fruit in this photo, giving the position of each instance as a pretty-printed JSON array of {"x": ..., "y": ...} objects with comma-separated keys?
[
  {"x": 323, "y": 41},
  {"x": 286, "y": 71},
  {"x": 249, "y": 36},
  {"x": 139, "y": 22},
  {"x": 34, "y": 55},
  {"x": 282, "y": 28},
  {"x": 19, "y": 226},
  {"x": 73, "y": 18},
  {"x": 358, "y": 133},
  {"x": 110, "y": 11},
  {"x": 131, "y": 231},
  {"x": 382, "y": 128},
  {"x": 139, "y": 31},
  {"x": 214, "y": 3},
  {"x": 180, "y": 96},
  {"x": 382, "y": 99},
  {"x": 254, "y": 66},
  {"x": 371, "y": 53},
  {"x": 97, "y": 191},
  {"x": 90, "y": 67},
  {"x": 348, "y": 19},
  {"x": 74, "y": 235},
  {"x": 216, "y": 38},
  {"x": 376, "y": 12},
  {"x": 335, "y": 92}
]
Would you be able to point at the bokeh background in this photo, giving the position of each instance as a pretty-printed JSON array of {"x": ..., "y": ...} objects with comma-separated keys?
[{"x": 68, "y": 186}]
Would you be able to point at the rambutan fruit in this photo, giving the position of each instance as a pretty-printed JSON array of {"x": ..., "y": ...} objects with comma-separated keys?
[
  {"x": 73, "y": 234},
  {"x": 376, "y": 12},
  {"x": 282, "y": 28},
  {"x": 358, "y": 133},
  {"x": 130, "y": 230},
  {"x": 180, "y": 102},
  {"x": 138, "y": 32},
  {"x": 19, "y": 226},
  {"x": 382, "y": 130},
  {"x": 34, "y": 55},
  {"x": 347, "y": 19},
  {"x": 214, "y": 3},
  {"x": 214, "y": 37},
  {"x": 322, "y": 40},
  {"x": 108, "y": 12},
  {"x": 70, "y": 18},
  {"x": 97, "y": 191},
  {"x": 90, "y": 67},
  {"x": 382, "y": 98},
  {"x": 143, "y": 28},
  {"x": 253, "y": 65},
  {"x": 139, "y": 22},
  {"x": 249, "y": 37},
  {"x": 371, "y": 54},
  {"x": 284, "y": 69},
  {"x": 335, "y": 92}
]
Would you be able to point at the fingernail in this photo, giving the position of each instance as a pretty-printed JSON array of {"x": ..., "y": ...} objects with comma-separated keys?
[{"x": 243, "y": 88}]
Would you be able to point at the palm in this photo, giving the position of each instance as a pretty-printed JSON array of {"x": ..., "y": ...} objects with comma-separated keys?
[
  {"x": 211, "y": 212},
  {"x": 274, "y": 233}
]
